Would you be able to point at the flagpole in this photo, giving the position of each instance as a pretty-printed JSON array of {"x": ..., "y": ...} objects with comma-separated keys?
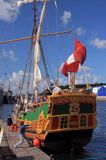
[{"x": 71, "y": 80}]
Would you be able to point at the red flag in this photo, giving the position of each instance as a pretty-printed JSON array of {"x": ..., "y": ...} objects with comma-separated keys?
[
  {"x": 80, "y": 52},
  {"x": 73, "y": 61}
]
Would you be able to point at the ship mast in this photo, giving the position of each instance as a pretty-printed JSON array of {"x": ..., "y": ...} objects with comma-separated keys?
[
  {"x": 37, "y": 73},
  {"x": 36, "y": 35}
]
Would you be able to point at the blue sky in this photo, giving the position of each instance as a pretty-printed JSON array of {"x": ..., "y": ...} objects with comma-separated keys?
[{"x": 86, "y": 17}]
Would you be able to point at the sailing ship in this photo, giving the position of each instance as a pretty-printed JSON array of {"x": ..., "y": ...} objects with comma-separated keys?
[
  {"x": 8, "y": 97},
  {"x": 66, "y": 118}
]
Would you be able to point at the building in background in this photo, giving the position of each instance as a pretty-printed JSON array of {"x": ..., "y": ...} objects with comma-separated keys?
[
  {"x": 102, "y": 91},
  {"x": 1, "y": 96}
]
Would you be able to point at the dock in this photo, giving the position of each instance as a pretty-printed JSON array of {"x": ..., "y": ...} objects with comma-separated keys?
[
  {"x": 24, "y": 152},
  {"x": 101, "y": 98}
]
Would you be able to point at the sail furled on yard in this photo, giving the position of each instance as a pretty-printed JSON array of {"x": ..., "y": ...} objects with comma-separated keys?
[
  {"x": 75, "y": 60},
  {"x": 37, "y": 72},
  {"x": 37, "y": 52},
  {"x": 37, "y": 75}
]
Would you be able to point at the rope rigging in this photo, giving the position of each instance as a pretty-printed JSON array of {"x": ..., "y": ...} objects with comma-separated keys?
[
  {"x": 29, "y": 59},
  {"x": 27, "y": 63},
  {"x": 44, "y": 63}
]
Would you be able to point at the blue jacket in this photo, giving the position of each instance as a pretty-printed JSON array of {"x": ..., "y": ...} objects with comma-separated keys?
[{"x": 21, "y": 129}]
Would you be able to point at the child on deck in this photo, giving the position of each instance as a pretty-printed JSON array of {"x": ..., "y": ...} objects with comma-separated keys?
[{"x": 22, "y": 128}]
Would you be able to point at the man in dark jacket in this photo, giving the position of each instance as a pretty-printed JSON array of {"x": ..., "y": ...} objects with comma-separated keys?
[{"x": 9, "y": 123}]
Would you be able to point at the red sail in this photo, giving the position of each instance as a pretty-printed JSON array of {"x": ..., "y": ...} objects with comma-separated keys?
[{"x": 73, "y": 61}]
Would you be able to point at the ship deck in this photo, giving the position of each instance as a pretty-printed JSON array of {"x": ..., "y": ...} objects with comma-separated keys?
[{"x": 7, "y": 150}]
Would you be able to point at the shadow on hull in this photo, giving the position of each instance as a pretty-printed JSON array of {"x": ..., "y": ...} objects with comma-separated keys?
[{"x": 67, "y": 141}]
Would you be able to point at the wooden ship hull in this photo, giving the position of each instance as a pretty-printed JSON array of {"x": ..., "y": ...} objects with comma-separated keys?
[{"x": 64, "y": 121}]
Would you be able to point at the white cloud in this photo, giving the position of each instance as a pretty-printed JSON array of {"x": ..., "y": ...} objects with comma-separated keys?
[
  {"x": 12, "y": 56},
  {"x": 8, "y": 55},
  {"x": 8, "y": 12},
  {"x": 16, "y": 78},
  {"x": 66, "y": 17},
  {"x": 81, "y": 79},
  {"x": 85, "y": 69},
  {"x": 21, "y": 2},
  {"x": 85, "y": 75},
  {"x": 98, "y": 43},
  {"x": 14, "y": 81},
  {"x": 80, "y": 31},
  {"x": 3, "y": 53},
  {"x": 9, "y": 9}
]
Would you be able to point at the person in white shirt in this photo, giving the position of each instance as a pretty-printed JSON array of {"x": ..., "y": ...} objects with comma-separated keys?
[{"x": 56, "y": 89}]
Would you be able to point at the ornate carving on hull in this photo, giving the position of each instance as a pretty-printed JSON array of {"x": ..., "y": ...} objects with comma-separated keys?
[
  {"x": 74, "y": 107},
  {"x": 72, "y": 98}
]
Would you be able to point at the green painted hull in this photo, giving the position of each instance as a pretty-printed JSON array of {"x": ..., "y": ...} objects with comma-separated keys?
[{"x": 34, "y": 115}]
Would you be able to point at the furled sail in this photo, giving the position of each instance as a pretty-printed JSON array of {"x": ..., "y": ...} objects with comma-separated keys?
[
  {"x": 37, "y": 72},
  {"x": 37, "y": 75},
  {"x": 37, "y": 52},
  {"x": 75, "y": 60}
]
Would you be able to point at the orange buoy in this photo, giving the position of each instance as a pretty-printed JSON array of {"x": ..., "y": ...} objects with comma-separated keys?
[
  {"x": 36, "y": 142},
  {"x": 15, "y": 128}
]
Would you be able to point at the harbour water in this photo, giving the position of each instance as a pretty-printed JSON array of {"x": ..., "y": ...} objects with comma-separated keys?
[
  {"x": 95, "y": 150},
  {"x": 5, "y": 109}
]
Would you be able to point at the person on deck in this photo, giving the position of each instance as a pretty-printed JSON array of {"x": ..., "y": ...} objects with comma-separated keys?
[
  {"x": 14, "y": 120},
  {"x": 22, "y": 128},
  {"x": 9, "y": 123},
  {"x": 56, "y": 89}
]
